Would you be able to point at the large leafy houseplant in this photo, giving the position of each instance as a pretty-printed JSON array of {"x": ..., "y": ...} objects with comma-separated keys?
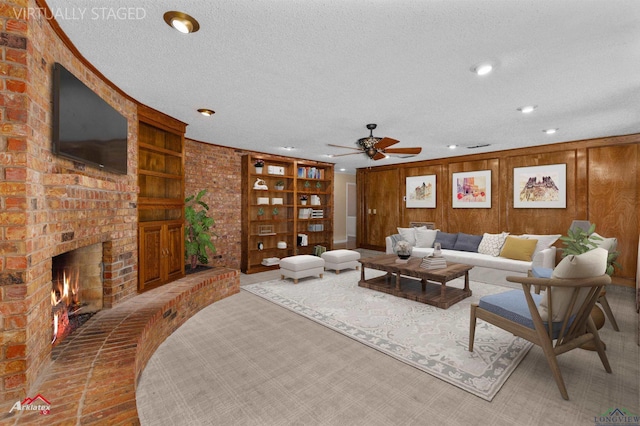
[
  {"x": 578, "y": 241},
  {"x": 197, "y": 233}
]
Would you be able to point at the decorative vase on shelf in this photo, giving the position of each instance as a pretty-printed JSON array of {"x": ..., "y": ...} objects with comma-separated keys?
[
  {"x": 259, "y": 170},
  {"x": 303, "y": 202}
]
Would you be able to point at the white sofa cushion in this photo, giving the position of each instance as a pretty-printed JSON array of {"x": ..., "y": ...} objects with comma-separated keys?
[
  {"x": 477, "y": 259},
  {"x": 425, "y": 237},
  {"x": 491, "y": 244},
  {"x": 544, "y": 241},
  {"x": 409, "y": 234}
]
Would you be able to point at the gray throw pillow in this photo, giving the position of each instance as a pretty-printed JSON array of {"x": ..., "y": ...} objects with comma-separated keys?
[
  {"x": 467, "y": 242},
  {"x": 446, "y": 240}
]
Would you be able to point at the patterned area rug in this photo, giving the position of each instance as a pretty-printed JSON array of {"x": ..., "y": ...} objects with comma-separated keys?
[{"x": 425, "y": 337}]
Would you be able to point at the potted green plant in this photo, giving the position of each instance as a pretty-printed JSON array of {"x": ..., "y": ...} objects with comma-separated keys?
[
  {"x": 279, "y": 185},
  {"x": 578, "y": 241},
  {"x": 275, "y": 212},
  {"x": 303, "y": 199},
  {"x": 260, "y": 212},
  {"x": 258, "y": 164},
  {"x": 197, "y": 233}
]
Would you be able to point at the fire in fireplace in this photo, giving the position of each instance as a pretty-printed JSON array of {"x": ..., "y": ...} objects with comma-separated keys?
[{"x": 76, "y": 290}]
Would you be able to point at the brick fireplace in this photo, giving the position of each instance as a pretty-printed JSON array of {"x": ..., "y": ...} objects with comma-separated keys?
[
  {"x": 50, "y": 205},
  {"x": 76, "y": 290}
]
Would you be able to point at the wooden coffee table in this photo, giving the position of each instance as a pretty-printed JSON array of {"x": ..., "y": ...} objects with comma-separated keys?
[{"x": 400, "y": 281}]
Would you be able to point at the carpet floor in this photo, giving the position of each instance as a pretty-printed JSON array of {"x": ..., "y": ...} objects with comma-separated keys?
[
  {"x": 428, "y": 338},
  {"x": 247, "y": 361}
]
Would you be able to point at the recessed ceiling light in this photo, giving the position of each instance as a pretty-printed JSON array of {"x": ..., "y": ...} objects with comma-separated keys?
[
  {"x": 452, "y": 146},
  {"x": 206, "y": 112},
  {"x": 527, "y": 109},
  {"x": 288, "y": 148},
  {"x": 343, "y": 170},
  {"x": 550, "y": 131},
  {"x": 482, "y": 69},
  {"x": 181, "y": 21}
]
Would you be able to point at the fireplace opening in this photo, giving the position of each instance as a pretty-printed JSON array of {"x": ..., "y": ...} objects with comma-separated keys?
[{"x": 76, "y": 290}]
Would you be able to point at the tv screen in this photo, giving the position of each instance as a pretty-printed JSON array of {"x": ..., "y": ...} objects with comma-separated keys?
[{"x": 85, "y": 127}]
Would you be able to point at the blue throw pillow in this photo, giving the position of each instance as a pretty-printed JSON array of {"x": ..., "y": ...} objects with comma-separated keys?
[
  {"x": 446, "y": 240},
  {"x": 467, "y": 242}
]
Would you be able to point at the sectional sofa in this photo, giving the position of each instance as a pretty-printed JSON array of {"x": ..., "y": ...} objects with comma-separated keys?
[{"x": 494, "y": 256}]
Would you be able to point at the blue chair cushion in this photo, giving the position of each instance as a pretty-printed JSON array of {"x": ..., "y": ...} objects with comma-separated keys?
[
  {"x": 540, "y": 272},
  {"x": 512, "y": 305}
]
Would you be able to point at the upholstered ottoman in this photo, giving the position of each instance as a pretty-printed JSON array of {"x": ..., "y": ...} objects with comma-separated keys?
[
  {"x": 303, "y": 265},
  {"x": 341, "y": 259}
]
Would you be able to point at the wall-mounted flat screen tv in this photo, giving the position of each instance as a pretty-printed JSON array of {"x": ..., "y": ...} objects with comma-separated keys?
[{"x": 85, "y": 127}]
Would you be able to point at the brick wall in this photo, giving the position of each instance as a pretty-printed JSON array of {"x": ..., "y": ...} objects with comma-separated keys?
[
  {"x": 49, "y": 205},
  {"x": 219, "y": 173}
]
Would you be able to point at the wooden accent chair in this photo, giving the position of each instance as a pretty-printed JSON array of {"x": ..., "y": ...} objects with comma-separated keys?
[{"x": 561, "y": 313}]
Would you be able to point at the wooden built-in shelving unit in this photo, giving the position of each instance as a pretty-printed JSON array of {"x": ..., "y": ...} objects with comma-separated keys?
[{"x": 262, "y": 233}]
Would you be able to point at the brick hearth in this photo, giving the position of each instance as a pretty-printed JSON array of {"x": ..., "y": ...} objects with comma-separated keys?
[{"x": 93, "y": 375}]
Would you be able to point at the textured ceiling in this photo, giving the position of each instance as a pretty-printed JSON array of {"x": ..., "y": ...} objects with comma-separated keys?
[{"x": 308, "y": 73}]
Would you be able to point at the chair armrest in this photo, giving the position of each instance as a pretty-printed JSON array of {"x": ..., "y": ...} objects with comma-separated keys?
[
  {"x": 545, "y": 258},
  {"x": 557, "y": 282}
]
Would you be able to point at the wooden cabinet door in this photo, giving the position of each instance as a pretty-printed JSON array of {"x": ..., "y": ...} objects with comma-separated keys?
[
  {"x": 151, "y": 257},
  {"x": 174, "y": 262},
  {"x": 161, "y": 254},
  {"x": 381, "y": 201}
]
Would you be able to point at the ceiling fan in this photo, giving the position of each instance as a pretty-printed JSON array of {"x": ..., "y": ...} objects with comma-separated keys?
[{"x": 377, "y": 148}]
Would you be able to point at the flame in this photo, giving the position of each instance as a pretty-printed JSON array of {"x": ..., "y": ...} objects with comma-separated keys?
[
  {"x": 65, "y": 293},
  {"x": 55, "y": 327}
]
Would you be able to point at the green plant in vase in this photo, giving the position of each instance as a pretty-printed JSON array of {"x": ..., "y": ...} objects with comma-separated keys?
[
  {"x": 279, "y": 185},
  {"x": 578, "y": 241},
  {"x": 319, "y": 185},
  {"x": 197, "y": 234},
  {"x": 307, "y": 184},
  {"x": 275, "y": 212},
  {"x": 260, "y": 212}
]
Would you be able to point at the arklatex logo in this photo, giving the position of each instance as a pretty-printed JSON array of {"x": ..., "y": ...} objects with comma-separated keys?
[{"x": 37, "y": 403}]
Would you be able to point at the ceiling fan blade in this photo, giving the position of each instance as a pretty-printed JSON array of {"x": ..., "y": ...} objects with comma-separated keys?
[
  {"x": 413, "y": 151},
  {"x": 385, "y": 142},
  {"x": 342, "y": 155},
  {"x": 378, "y": 156},
  {"x": 347, "y": 147}
]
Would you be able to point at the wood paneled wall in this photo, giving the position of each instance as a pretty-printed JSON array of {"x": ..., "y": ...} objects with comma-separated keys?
[{"x": 602, "y": 181}]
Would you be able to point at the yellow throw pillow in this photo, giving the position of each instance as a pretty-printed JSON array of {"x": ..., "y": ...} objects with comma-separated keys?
[{"x": 518, "y": 248}]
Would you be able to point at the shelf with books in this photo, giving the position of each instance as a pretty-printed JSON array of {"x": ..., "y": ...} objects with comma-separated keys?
[{"x": 289, "y": 181}]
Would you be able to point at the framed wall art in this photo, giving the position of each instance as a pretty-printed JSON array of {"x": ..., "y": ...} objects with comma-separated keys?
[
  {"x": 472, "y": 190},
  {"x": 540, "y": 187},
  {"x": 421, "y": 191}
]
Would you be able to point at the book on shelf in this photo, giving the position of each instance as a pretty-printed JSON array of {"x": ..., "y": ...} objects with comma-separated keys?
[
  {"x": 431, "y": 262},
  {"x": 304, "y": 213},
  {"x": 310, "y": 173},
  {"x": 317, "y": 213}
]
